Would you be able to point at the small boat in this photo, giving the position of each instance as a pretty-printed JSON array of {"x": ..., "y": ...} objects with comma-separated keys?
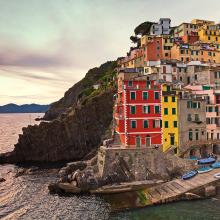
[
  {"x": 190, "y": 175},
  {"x": 217, "y": 175},
  {"x": 193, "y": 158},
  {"x": 216, "y": 165},
  {"x": 208, "y": 160},
  {"x": 204, "y": 169}
]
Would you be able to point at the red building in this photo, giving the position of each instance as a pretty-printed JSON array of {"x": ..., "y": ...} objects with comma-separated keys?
[
  {"x": 154, "y": 49},
  {"x": 137, "y": 112},
  {"x": 190, "y": 39}
]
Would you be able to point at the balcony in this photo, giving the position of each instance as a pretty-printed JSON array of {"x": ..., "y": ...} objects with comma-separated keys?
[
  {"x": 168, "y": 93},
  {"x": 197, "y": 121}
]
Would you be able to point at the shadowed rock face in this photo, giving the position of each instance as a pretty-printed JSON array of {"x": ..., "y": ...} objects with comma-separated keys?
[
  {"x": 80, "y": 120},
  {"x": 76, "y": 93},
  {"x": 66, "y": 139}
]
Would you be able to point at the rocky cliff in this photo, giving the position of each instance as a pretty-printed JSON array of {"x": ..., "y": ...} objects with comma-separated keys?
[
  {"x": 78, "y": 123},
  {"x": 101, "y": 75}
]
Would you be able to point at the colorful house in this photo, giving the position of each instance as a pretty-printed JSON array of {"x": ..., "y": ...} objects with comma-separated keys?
[
  {"x": 210, "y": 33},
  {"x": 137, "y": 114},
  {"x": 170, "y": 117}
]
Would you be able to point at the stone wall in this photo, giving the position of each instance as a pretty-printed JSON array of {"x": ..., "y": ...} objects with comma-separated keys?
[{"x": 143, "y": 163}]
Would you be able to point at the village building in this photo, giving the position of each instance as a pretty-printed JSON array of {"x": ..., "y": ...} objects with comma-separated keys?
[
  {"x": 137, "y": 114},
  {"x": 209, "y": 33},
  {"x": 170, "y": 117},
  {"x": 186, "y": 29},
  {"x": 162, "y": 27},
  {"x": 192, "y": 122}
]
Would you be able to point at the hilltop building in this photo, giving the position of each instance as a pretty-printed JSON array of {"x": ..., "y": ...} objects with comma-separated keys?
[{"x": 168, "y": 90}]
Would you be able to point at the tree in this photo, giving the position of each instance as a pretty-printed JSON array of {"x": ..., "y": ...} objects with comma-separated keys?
[{"x": 143, "y": 28}]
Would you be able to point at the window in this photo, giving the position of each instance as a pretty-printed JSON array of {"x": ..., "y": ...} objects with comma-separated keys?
[
  {"x": 156, "y": 123},
  {"x": 173, "y": 98},
  {"x": 197, "y": 117},
  {"x": 173, "y": 111},
  {"x": 145, "y": 95},
  {"x": 133, "y": 95},
  {"x": 189, "y": 117},
  {"x": 190, "y": 135},
  {"x": 145, "y": 124},
  {"x": 146, "y": 109},
  {"x": 168, "y": 88},
  {"x": 130, "y": 83},
  {"x": 175, "y": 124},
  {"x": 156, "y": 95},
  {"x": 166, "y": 124},
  {"x": 189, "y": 104},
  {"x": 133, "y": 109},
  {"x": 156, "y": 109},
  {"x": 133, "y": 124},
  {"x": 165, "y": 99},
  {"x": 197, "y": 134},
  {"x": 148, "y": 84},
  {"x": 165, "y": 111}
]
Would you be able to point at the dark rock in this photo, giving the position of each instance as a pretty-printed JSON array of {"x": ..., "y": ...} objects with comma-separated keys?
[
  {"x": 79, "y": 121},
  {"x": 2, "y": 180},
  {"x": 54, "y": 188}
]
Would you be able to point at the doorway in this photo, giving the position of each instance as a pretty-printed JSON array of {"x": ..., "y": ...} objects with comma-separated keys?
[
  {"x": 172, "y": 140},
  {"x": 148, "y": 141},
  {"x": 138, "y": 142}
]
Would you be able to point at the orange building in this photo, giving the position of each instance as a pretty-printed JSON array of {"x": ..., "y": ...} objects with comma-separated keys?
[{"x": 204, "y": 53}]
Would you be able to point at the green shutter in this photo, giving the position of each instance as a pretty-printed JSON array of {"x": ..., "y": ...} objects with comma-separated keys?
[
  {"x": 130, "y": 83},
  {"x": 157, "y": 109},
  {"x": 145, "y": 95},
  {"x": 166, "y": 125},
  {"x": 173, "y": 98},
  {"x": 165, "y": 99},
  {"x": 173, "y": 111},
  {"x": 156, "y": 95},
  {"x": 145, "y": 124},
  {"x": 133, "y": 95},
  {"x": 175, "y": 124},
  {"x": 133, "y": 109},
  {"x": 133, "y": 124},
  {"x": 165, "y": 111},
  {"x": 154, "y": 124}
]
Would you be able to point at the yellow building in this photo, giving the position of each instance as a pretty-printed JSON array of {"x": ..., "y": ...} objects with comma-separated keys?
[
  {"x": 210, "y": 33},
  {"x": 169, "y": 117}
]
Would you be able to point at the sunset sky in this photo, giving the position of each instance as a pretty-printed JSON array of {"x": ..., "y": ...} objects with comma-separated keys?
[{"x": 48, "y": 45}]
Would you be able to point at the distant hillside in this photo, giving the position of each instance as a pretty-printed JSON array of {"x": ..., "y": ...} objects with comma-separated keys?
[{"x": 32, "y": 108}]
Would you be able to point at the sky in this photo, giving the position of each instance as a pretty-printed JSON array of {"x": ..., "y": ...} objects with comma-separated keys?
[{"x": 46, "y": 46}]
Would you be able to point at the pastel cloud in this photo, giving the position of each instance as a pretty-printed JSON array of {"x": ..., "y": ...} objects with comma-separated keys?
[{"x": 47, "y": 46}]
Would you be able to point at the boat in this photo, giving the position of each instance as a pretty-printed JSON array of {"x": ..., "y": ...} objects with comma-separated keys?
[
  {"x": 193, "y": 158},
  {"x": 190, "y": 175},
  {"x": 217, "y": 175},
  {"x": 204, "y": 169},
  {"x": 208, "y": 160},
  {"x": 216, "y": 165}
]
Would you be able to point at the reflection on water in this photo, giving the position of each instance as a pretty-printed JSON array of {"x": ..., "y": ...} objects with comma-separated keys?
[{"x": 26, "y": 197}]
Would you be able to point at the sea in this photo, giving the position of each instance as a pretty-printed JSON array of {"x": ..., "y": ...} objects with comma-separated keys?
[{"x": 27, "y": 196}]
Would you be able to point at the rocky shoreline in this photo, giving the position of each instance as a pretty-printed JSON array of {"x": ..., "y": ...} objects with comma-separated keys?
[{"x": 85, "y": 177}]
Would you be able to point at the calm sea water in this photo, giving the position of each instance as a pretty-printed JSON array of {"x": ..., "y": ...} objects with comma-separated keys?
[{"x": 26, "y": 197}]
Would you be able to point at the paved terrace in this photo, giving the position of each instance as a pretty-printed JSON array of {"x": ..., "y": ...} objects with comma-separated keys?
[{"x": 175, "y": 189}]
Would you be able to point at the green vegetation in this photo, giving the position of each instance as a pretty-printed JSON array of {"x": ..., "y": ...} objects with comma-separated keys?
[
  {"x": 102, "y": 76},
  {"x": 143, "y": 28}
]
